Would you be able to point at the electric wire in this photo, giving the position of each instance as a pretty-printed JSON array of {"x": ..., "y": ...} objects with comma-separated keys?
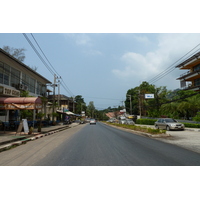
[
  {"x": 43, "y": 53},
  {"x": 170, "y": 70},
  {"x": 38, "y": 54},
  {"x": 167, "y": 71},
  {"x": 53, "y": 72},
  {"x": 172, "y": 67}
]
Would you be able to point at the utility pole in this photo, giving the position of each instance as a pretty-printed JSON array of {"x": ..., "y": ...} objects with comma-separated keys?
[
  {"x": 130, "y": 104},
  {"x": 59, "y": 98},
  {"x": 54, "y": 91},
  {"x": 73, "y": 103},
  {"x": 140, "y": 105}
]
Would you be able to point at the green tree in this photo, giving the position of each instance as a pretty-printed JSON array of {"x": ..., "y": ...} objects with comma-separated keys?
[
  {"x": 91, "y": 109},
  {"x": 185, "y": 105},
  {"x": 140, "y": 105},
  {"x": 197, "y": 117},
  {"x": 154, "y": 105},
  {"x": 81, "y": 105}
]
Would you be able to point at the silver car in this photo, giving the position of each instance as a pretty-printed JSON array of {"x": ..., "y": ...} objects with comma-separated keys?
[
  {"x": 92, "y": 121},
  {"x": 122, "y": 121},
  {"x": 130, "y": 122},
  {"x": 169, "y": 124}
]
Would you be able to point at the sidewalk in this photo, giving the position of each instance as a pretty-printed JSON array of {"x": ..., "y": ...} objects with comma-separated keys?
[{"x": 10, "y": 138}]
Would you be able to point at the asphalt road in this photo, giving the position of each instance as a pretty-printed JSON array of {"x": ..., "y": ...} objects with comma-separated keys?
[{"x": 98, "y": 145}]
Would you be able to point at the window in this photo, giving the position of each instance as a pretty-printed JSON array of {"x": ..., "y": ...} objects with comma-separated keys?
[
  {"x": 1, "y": 72},
  {"x": 6, "y": 77},
  {"x": 41, "y": 89},
  {"x": 4, "y": 73},
  {"x": 196, "y": 68},
  {"x": 197, "y": 82},
  {"x": 32, "y": 85},
  {"x": 25, "y": 79},
  {"x": 15, "y": 77},
  {"x": 38, "y": 87}
]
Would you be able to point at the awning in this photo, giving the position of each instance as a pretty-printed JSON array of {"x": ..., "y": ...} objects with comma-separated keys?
[
  {"x": 68, "y": 112},
  {"x": 20, "y": 103}
]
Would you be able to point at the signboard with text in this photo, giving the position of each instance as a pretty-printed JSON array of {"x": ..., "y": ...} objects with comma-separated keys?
[{"x": 149, "y": 96}]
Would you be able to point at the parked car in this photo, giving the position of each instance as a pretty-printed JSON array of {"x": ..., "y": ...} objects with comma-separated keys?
[
  {"x": 169, "y": 124},
  {"x": 87, "y": 120},
  {"x": 129, "y": 122},
  {"x": 122, "y": 121},
  {"x": 92, "y": 121}
]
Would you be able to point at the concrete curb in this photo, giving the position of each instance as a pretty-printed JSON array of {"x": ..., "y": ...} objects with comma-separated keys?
[{"x": 24, "y": 141}]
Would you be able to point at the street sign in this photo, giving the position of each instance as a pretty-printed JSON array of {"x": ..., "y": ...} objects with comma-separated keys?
[{"x": 149, "y": 96}]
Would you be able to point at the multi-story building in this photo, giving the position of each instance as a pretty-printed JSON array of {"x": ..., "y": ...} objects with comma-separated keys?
[
  {"x": 63, "y": 102},
  {"x": 15, "y": 77},
  {"x": 190, "y": 80}
]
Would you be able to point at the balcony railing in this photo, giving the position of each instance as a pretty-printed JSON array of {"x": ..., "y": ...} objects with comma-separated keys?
[{"x": 188, "y": 73}]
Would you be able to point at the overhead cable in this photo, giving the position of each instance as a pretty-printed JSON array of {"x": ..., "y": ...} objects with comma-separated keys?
[
  {"x": 53, "y": 70},
  {"x": 172, "y": 67}
]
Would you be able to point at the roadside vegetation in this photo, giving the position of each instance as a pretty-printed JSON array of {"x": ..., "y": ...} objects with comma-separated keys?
[
  {"x": 139, "y": 128},
  {"x": 177, "y": 104}
]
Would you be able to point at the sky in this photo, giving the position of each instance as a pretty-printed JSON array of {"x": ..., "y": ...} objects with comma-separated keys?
[
  {"x": 101, "y": 49},
  {"x": 102, "y": 67}
]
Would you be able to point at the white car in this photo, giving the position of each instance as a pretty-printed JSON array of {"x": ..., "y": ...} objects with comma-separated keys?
[{"x": 92, "y": 121}]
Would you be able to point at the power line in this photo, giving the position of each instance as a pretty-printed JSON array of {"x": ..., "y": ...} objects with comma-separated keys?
[
  {"x": 171, "y": 67},
  {"x": 51, "y": 71},
  {"x": 38, "y": 54},
  {"x": 43, "y": 53}
]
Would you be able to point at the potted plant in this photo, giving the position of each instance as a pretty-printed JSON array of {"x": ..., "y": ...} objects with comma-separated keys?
[{"x": 30, "y": 130}]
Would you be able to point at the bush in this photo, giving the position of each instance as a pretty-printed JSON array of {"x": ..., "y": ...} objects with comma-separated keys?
[{"x": 190, "y": 125}]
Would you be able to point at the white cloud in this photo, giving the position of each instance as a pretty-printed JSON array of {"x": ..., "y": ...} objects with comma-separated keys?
[
  {"x": 170, "y": 48},
  {"x": 80, "y": 38}
]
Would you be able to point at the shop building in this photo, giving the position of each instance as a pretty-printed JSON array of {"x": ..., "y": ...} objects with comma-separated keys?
[{"x": 16, "y": 77}]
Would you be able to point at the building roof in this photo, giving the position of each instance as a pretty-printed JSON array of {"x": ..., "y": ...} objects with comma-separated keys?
[
  {"x": 194, "y": 57},
  {"x": 27, "y": 67}
]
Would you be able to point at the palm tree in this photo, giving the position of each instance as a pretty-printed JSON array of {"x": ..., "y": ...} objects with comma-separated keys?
[
  {"x": 171, "y": 109},
  {"x": 190, "y": 106}
]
